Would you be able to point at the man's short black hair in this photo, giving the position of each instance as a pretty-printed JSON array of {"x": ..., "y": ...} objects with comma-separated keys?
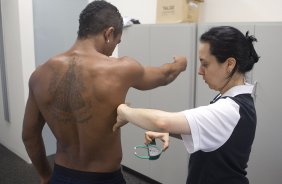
[{"x": 97, "y": 16}]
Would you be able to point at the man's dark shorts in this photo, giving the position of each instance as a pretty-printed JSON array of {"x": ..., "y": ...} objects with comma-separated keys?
[{"x": 62, "y": 175}]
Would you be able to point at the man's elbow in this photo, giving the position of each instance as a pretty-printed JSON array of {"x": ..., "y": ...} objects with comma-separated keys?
[{"x": 27, "y": 137}]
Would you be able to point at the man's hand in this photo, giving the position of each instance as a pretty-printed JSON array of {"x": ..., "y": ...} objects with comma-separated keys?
[
  {"x": 182, "y": 61},
  {"x": 164, "y": 137},
  {"x": 120, "y": 119}
]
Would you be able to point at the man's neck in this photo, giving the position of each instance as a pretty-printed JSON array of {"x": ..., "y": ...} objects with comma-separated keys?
[{"x": 87, "y": 45}]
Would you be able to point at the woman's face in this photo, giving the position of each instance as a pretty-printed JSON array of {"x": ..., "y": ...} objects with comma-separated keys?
[{"x": 214, "y": 73}]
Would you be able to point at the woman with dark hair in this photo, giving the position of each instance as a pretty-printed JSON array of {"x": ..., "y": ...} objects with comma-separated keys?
[{"x": 218, "y": 136}]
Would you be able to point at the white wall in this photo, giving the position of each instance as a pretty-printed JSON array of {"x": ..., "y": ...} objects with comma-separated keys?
[
  {"x": 210, "y": 10},
  {"x": 19, "y": 56},
  {"x": 241, "y": 11}
]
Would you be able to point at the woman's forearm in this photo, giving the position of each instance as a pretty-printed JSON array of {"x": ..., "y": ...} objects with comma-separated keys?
[
  {"x": 153, "y": 120},
  {"x": 149, "y": 119}
]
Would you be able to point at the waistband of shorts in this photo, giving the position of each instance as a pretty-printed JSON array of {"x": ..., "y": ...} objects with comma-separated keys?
[{"x": 61, "y": 170}]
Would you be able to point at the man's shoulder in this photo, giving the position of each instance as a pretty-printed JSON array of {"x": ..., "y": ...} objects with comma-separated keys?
[
  {"x": 129, "y": 62},
  {"x": 127, "y": 67},
  {"x": 126, "y": 59},
  {"x": 43, "y": 70}
]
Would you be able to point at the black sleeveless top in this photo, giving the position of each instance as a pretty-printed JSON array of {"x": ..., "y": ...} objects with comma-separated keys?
[{"x": 228, "y": 163}]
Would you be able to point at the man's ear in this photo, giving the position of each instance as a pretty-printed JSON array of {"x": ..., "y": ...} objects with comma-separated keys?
[{"x": 108, "y": 33}]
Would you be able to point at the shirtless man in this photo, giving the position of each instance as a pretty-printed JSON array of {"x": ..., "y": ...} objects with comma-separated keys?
[{"x": 77, "y": 92}]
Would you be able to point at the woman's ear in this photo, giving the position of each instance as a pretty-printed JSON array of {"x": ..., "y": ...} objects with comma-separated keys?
[
  {"x": 231, "y": 63},
  {"x": 108, "y": 33}
]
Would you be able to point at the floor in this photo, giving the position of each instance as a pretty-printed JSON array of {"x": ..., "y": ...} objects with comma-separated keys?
[{"x": 14, "y": 170}]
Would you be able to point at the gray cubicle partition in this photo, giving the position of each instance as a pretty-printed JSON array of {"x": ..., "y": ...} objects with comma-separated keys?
[
  {"x": 55, "y": 30},
  {"x": 265, "y": 165},
  {"x": 154, "y": 45}
]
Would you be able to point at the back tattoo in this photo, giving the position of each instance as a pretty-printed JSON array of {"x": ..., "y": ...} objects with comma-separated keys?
[{"x": 68, "y": 102}]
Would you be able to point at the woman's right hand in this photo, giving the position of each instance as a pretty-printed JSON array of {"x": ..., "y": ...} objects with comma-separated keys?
[
  {"x": 120, "y": 120},
  {"x": 164, "y": 137}
]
